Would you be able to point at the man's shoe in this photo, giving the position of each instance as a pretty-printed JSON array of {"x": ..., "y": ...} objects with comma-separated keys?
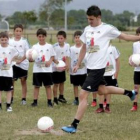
[
  {"x": 33, "y": 104},
  {"x": 69, "y": 129},
  {"x": 134, "y": 108},
  {"x": 93, "y": 104},
  {"x": 99, "y": 110}
]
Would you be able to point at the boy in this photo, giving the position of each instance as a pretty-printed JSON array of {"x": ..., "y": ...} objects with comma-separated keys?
[
  {"x": 42, "y": 69},
  {"x": 78, "y": 78},
  {"x": 21, "y": 66},
  {"x": 7, "y": 53},
  {"x": 62, "y": 53},
  {"x": 110, "y": 76},
  {"x": 136, "y": 50},
  {"x": 96, "y": 39}
]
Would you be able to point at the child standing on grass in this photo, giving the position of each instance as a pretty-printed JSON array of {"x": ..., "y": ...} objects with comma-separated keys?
[
  {"x": 62, "y": 53},
  {"x": 78, "y": 78},
  {"x": 7, "y": 53},
  {"x": 136, "y": 50},
  {"x": 42, "y": 69},
  {"x": 21, "y": 66}
]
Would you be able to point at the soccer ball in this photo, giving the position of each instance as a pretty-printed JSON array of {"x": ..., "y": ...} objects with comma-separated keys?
[
  {"x": 60, "y": 66},
  {"x": 45, "y": 124},
  {"x": 31, "y": 54},
  {"x": 135, "y": 59}
]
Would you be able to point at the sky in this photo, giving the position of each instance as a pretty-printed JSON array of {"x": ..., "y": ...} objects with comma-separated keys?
[{"x": 8, "y": 7}]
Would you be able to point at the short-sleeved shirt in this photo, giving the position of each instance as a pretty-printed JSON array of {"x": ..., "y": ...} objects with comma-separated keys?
[
  {"x": 74, "y": 55},
  {"x": 45, "y": 52},
  {"x": 113, "y": 54},
  {"x": 7, "y": 54},
  {"x": 61, "y": 52},
  {"x": 97, "y": 41},
  {"x": 22, "y": 46},
  {"x": 136, "y": 50}
]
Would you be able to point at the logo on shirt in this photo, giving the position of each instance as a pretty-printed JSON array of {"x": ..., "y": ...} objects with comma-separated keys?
[{"x": 89, "y": 87}]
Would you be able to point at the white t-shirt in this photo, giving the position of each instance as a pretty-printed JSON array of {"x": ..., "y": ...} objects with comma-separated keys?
[
  {"x": 97, "y": 41},
  {"x": 136, "y": 50},
  {"x": 7, "y": 54},
  {"x": 61, "y": 52},
  {"x": 74, "y": 55},
  {"x": 45, "y": 52},
  {"x": 22, "y": 46},
  {"x": 113, "y": 54}
]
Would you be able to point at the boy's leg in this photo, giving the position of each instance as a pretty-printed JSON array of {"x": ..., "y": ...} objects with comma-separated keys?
[
  {"x": 36, "y": 93},
  {"x": 0, "y": 100},
  {"x": 8, "y": 105},
  {"x": 135, "y": 105},
  {"x": 108, "y": 99},
  {"x": 94, "y": 102},
  {"x": 49, "y": 95},
  {"x": 101, "y": 100},
  {"x": 76, "y": 100},
  {"x": 12, "y": 93},
  {"x": 55, "y": 87},
  {"x": 24, "y": 90},
  {"x": 61, "y": 95},
  {"x": 80, "y": 112}
]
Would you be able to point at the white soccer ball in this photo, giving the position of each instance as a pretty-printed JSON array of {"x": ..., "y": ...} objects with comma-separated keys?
[
  {"x": 60, "y": 66},
  {"x": 31, "y": 54},
  {"x": 45, "y": 124},
  {"x": 136, "y": 59}
]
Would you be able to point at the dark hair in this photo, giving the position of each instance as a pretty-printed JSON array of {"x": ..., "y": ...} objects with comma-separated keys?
[
  {"x": 77, "y": 33},
  {"x": 4, "y": 35},
  {"x": 138, "y": 31},
  {"x": 94, "y": 11},
  {"x": 63, "y": 33},
  {"x": 41, "y": 32},
  {"x": 18, "y": 26}
]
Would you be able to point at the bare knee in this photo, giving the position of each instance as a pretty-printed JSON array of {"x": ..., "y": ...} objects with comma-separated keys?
[{"x": 102, "y": 90}]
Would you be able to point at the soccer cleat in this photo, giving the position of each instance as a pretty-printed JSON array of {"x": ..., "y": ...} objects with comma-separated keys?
[
  {"x": 9, "y": 109},
  {"x": 23, "y": 102},
  {"x": 134, "y": 108},
  {"x": 50, "y": 105},
  {"x": 99, "y": 110},
  {"x": 134, "y": 95},
  {"x": 55, "y": 102},
  {"x": 33, "y": 104},
  {"x": 93, "y": 104},
  {"x": 62, "y": 100},
  {"x": 75, "y": 102},
  {"x": 107, "y": 110},
  {"x": 69, "y": 129},
  {"x": 104, "y": 104}
]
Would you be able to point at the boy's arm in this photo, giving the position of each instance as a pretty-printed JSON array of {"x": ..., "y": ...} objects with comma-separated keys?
[
  {"x": 48, "y": 63},
  {"x": 128, "y": 37},
  {"x": 67, "y": 63},
  {"x": 117, "y": 68}
]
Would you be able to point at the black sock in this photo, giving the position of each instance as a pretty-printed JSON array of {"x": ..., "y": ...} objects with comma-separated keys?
[
  {"x": 101, "y": 105},
  {"x": 107, "y": 105},
  {"x": 75, "y": 123},
  {"x": 23, "y": 99},
  {"x": 135, "y": 103},
  {"x": 104, "y": 100},
  {"x": 49, "y": 101},
  {"x": 35, "y": 101},
  {"x": 94, "y": 100},
  {"x": 61, "y": 96},
  {"x": 55, "y": 99},
  {"x": 8, "y": 105},
  {"x": 0, "y": 105},
  {"x": 12, "y": 99},
  {"x": 128, "y": 93},
  {"x": 76, "y": 98}
]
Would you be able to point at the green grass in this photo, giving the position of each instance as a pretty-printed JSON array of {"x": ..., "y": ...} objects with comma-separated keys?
[{"x": 121, "y": 124}]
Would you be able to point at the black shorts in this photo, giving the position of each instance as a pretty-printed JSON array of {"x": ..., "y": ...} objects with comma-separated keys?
[
  {"x": 137, "y": 78},
  {"x": 110, "y": 81},
  {"x": 6, "y": 83},
  {"x": 45, "y": 78},
  {"x": 78, "y": 80},
  {"x": 59, "y": 77},
  {"x": 19, "y": 73},
  {"x": 94, "y": 79}
]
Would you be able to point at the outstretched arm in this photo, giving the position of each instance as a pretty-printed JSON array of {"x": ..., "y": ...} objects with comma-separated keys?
[{"x": 128, "y": 37}]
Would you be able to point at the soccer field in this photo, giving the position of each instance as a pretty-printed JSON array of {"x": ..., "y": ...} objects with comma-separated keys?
[{"x": 120, "y": 124}]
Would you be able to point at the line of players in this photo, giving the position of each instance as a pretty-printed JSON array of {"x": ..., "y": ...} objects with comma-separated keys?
[{"x": 14, "y": 65}]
